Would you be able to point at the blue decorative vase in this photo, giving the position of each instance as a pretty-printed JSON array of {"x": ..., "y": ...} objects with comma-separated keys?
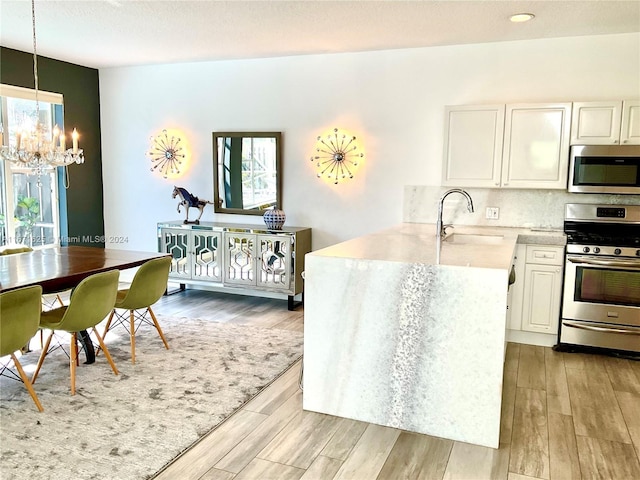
[{"x": 274, "y": 219}]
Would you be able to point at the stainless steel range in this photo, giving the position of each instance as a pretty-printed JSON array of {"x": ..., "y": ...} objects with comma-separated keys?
[{"x": 601, "y": 298}]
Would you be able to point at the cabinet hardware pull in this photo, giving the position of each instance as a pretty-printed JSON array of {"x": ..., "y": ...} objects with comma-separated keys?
[
  {"x": 601, "y": 329},
  {"x": 631, "y": 265}
]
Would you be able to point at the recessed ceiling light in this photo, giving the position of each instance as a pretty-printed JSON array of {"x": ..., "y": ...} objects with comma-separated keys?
[{"x": 521, "y": 17}]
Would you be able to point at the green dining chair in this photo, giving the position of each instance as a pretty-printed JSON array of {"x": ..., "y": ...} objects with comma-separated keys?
[
  {"x": 90, "y": 302},
  {"x": 148, "y": 285},
  {"x": 19, "y": 319},
  {"x": 14, "y": 250},
  {"x": 48, "y": 301}
]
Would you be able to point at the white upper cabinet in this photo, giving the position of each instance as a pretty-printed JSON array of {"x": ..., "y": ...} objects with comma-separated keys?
[
  {"x": 596, "y": 123},
  {"x": 606, "y": 123},
  {"x": 473, "y": 145},
  {"x": 630, "y": 132},
  {"x": 536, "y": 146},
  {"x": 511, "y": 146}
]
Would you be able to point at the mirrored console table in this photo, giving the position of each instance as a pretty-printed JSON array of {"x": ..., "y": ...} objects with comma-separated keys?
[{"x": 236, "y": 256}]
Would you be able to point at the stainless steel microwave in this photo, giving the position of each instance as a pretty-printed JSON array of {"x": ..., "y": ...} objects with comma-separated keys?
[{"x": 604, "y": 169}]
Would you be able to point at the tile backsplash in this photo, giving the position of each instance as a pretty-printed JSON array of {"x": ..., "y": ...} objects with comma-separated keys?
[{"x": 518, "y": 208}]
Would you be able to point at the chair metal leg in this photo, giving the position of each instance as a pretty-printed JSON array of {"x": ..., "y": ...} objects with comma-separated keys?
[
  {"x": 26, "y": 382},
  {"x": 132, "y": 328},
  {"x": 43, "y": 354},
  {"x": 155, "y": 322}
]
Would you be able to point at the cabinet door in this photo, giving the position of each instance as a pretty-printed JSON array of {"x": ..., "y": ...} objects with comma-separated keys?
[
  {"x": 473, "y": 145},
  {"x": 596, "y": 123},
  {"x": 207, "y": 256},
  {"x": 516, "y": 291},
  {"x": 536, "y": 146},
  {"x": 177, "y": 242},
  {"x": 239, "y": 258},
  {"x": 541, "y": 302},
  {"x": 274, "y": 266},
  {"x": 630, "y": 133}
]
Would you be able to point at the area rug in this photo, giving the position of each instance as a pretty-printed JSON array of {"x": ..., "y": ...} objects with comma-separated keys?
[{"x": 127, "y": 427}]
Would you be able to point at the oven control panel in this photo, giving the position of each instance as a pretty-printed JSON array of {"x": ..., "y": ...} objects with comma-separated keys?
[
  {"x": 604, "y": 251},
  {"x": 610, "y": 212}
]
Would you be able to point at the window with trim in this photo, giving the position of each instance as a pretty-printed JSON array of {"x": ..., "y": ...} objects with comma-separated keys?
[{"x": 29, "y": 206}]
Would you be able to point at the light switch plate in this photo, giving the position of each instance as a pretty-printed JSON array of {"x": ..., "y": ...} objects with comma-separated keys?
[{"x": 493, "y": 213}]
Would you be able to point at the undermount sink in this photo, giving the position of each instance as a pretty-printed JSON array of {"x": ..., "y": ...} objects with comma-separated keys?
[{"x": 474, "y": 238}]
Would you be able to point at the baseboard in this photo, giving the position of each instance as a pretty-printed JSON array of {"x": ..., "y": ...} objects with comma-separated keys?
[
  {"x": 235, "y": 291},
  {"x": 532, "y": 338}
]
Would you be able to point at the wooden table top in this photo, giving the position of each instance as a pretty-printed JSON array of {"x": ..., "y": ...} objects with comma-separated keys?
[{"x": 61, "y": 268}]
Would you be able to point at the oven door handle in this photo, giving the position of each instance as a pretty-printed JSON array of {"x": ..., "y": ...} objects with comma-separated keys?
[
  {"x": 630, "y": 265},
  {"x": 594, "y": 328}
]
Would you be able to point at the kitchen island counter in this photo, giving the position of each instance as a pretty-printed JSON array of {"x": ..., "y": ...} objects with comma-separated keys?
[{"x": 395, "y": 338}]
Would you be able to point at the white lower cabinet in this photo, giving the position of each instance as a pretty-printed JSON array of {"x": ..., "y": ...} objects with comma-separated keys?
[
  {"x": 541, "y": 299},
  {"x": 536, "y": 295},
  {"x": 516, "y": 291}
]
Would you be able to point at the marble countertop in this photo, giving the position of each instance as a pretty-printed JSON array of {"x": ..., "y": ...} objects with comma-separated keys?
[{"x": 416, "y": 243}]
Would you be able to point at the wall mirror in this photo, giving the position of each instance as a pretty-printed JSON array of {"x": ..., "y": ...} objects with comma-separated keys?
[{"x": 247, "y": 172}]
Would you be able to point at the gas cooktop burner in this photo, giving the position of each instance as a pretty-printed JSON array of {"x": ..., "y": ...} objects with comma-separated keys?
[
  {"x": 595, "y": 229},
  {"x": 581, "y": 238}
]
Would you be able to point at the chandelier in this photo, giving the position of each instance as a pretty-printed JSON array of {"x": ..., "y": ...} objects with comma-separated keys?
[{"x": 33, "y": 148}]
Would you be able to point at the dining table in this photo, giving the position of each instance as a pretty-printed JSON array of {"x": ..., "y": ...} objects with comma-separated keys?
[{"x": 59, "y": 268}]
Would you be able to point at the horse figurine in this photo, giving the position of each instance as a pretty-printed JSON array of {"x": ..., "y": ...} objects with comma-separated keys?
[{"x": 189, "y": 201}]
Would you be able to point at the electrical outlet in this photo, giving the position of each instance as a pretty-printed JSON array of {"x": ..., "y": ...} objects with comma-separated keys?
[{"x": 493, "y": 213}]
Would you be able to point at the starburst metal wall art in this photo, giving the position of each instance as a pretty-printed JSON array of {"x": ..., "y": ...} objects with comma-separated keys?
[
  {"x": 337, "y": 156},
  {"x": 166, "y": 154}
]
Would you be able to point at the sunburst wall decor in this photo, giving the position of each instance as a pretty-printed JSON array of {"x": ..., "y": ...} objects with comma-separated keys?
[
  {"x": 166, "y": 155},
  {"x": 337, "y": 155}
]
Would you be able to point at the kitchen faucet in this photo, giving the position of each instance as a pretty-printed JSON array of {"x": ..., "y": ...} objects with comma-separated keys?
[{"x": 440, "y": 228}]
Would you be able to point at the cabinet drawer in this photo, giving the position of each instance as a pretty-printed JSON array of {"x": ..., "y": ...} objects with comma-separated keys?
[{"x": 545, "y": 255}]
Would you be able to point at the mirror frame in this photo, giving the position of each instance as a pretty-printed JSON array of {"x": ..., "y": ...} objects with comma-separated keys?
[{"x": 216, "y": 190}]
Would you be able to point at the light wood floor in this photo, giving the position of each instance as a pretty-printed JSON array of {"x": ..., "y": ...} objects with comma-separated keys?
[{"x": 565, "y": 416}]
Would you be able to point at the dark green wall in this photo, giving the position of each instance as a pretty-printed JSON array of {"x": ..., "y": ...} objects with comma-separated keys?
[{"x": 80, "y": 88}]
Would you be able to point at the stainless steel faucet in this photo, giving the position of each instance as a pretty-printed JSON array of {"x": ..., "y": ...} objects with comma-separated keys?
[{"x": 440, "y": 228}]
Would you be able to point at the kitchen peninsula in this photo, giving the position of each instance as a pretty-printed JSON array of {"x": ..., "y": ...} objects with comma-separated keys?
[{"x": 395, "y": 338}]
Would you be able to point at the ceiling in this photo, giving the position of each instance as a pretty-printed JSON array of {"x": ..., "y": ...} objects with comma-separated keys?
[{"x": 113, "y": 33}]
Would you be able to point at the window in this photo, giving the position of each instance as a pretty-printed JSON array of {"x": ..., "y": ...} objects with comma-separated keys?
[
  {"x": 258, "y": 171},
  {"x": 28, "y": 203}
]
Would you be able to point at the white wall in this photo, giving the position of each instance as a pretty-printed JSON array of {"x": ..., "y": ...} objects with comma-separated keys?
[{"x": 392, "y": 100}]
